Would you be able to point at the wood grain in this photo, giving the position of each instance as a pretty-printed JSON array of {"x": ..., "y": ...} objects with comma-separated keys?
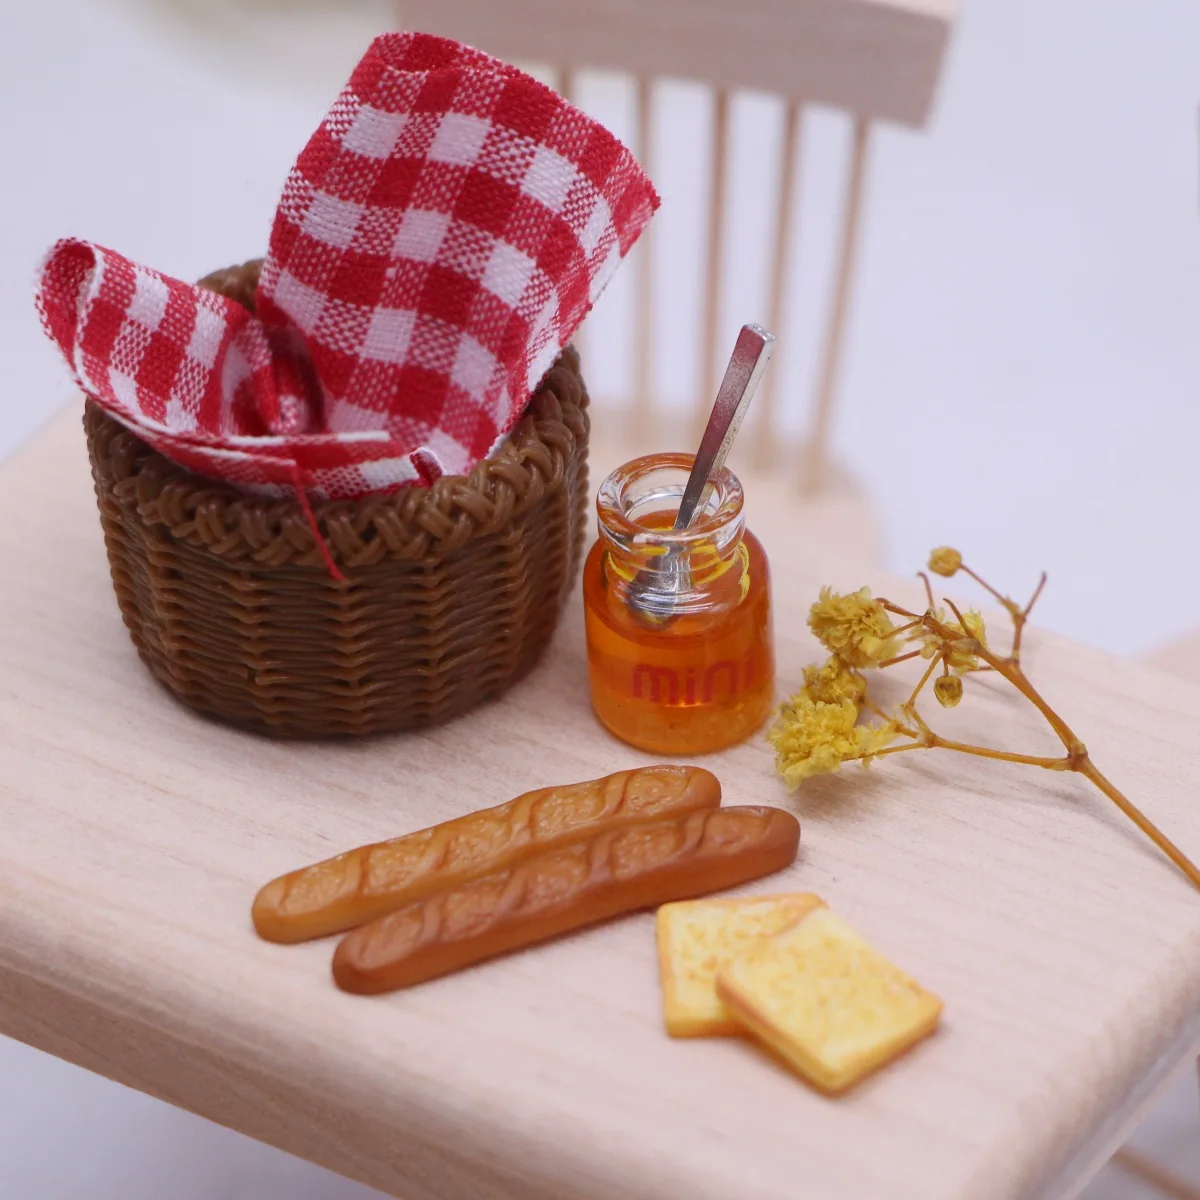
[
  {"x": 644, "y": 340},
  {"x": 765, "y": 426},
  {"x": 713, "y": 287},
  {"x": 136, "y": 835},
  {"x": 878, "y": 58},
  {"x": 1180, "y": 657},
  {"x": 817, "y": 450}
]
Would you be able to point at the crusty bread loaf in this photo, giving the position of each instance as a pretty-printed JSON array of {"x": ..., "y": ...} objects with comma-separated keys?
[
  {"x": 616, "y": 871},
  {"x": 360, "y": 885}
]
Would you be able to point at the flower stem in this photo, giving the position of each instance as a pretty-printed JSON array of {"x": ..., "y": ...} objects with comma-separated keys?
[
  {"x": 1020, "y": 617},
  {"x": 900, "y": 612},
  {"x": 1013, "y": 673},
  {"x": 933, "y": 662},
  {"x": 1008, "y": 605},
  {"x": 1088, "y": 770},
  {"x": 1037, "y": 591},
  {"x": 928, "y": 590},
  {"x": 1077, "y": 760},
  {"x": 1032, "y": 760},
  {"x": 899, "y": 658},
  {"x": 874, "y": 708},
  {"x": 898, "y": 749}
]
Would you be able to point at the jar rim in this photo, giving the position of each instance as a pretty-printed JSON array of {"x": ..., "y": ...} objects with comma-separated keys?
[{"x": 615, "y": 502}]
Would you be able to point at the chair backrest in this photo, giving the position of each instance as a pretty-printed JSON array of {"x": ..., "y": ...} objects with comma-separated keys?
[{"x": 879, "y": 60}]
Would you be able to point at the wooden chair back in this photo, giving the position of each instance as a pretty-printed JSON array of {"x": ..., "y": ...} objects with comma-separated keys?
[{"x": 879, "y": 60}]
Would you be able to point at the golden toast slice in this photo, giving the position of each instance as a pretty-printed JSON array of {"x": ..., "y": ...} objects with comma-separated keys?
[
  {"x": 696, "y": 938},
  {"x": 827, "y": 1002}
]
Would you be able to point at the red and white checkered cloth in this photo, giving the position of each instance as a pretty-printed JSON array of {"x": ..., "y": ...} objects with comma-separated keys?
[{"x": 438, "y": 242}]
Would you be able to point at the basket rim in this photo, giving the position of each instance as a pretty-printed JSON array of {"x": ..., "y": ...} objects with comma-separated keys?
[{"x": 407, "y": 523}]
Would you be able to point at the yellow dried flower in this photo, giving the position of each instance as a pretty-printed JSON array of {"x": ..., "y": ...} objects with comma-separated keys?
[
  {"x": 854, "y": 627},
  {"x": 959, "y": 645},
  {"x": 832, "y": 682},
  {"x": 962, "y": 656},
  {"x": 818, "y": 729},
  {"x": 948, "y": 689},
  {"x": 814, "y": 738},
  {"x": 945, "y": 560}
]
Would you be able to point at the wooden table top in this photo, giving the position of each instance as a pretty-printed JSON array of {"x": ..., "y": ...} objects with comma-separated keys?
[{"x": 135, "y": 835}]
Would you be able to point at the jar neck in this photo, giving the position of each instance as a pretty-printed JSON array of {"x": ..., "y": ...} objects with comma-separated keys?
[{"x": 637, "y": 506}]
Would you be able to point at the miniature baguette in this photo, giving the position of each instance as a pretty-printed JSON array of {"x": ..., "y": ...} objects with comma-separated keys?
[
  {"x": 360, "y": 885},
  {"x": 616, "y": 871}
]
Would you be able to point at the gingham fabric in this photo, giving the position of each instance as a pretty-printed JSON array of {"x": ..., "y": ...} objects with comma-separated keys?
[{"x": 438, "y": 242}]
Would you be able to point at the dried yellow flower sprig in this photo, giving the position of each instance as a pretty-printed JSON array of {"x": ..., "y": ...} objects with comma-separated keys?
[{"x": 821, "y": 727}]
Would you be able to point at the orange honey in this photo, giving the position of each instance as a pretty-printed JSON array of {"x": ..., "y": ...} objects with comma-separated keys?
[{"x": 680, "y": 653}]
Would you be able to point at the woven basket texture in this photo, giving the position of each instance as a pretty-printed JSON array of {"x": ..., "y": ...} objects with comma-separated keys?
[{"x": 451, "y": 591}]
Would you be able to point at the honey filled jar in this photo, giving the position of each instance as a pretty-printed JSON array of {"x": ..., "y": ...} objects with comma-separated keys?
[{"x": 680, "y": 653}]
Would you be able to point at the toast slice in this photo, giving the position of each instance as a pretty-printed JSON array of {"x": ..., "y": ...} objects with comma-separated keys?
[
  {"x": 826, "y": 1001},
  {"x": 696, "y": 938}
]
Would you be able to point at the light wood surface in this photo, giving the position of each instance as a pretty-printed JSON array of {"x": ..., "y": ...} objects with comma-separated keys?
[
  {"x": 1163, "y": 1182},
  {"x": 643, "y": 265},
  {"x": 713, "y": 356},
  {"x": 839, "y": 308},
  {"x": 879, "y": 58},
  {"x": 765, "y": 421},
  {"x": 135, "y": 835},
  {"x": 1180, "y": 657}
]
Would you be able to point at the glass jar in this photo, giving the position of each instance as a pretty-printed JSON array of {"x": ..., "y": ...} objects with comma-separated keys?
[{"x": 680, "y": 653}]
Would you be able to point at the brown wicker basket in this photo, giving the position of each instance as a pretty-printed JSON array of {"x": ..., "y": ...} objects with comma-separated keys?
[{"x": 452, "y": 591}]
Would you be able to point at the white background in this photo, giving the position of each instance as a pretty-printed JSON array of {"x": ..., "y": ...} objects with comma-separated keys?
[{"x": 1022, "y": 381}]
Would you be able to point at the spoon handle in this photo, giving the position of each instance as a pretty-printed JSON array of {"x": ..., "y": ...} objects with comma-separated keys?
[{"x": 746, "y": 366}]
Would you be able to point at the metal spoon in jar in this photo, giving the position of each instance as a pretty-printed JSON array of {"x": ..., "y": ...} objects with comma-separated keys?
[{"x": 652, "y": 592}]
